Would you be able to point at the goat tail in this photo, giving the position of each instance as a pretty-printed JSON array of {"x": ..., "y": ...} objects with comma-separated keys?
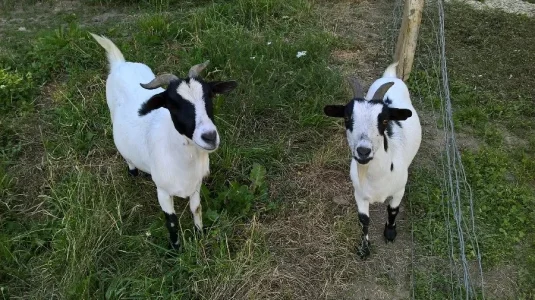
[
  {"x": 391, "y": 71},
  {"x": 114, "y": 54}
]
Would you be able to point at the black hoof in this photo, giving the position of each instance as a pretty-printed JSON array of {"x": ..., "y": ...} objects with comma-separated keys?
[
  {"x": 390, "y": 233},
  {"x": 134, "y": 172},
  {"x": 363, "y": 250},
  {"x": 175, "y": 246}
]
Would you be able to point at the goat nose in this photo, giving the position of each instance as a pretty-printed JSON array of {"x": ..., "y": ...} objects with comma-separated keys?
[
  {"x": 209, "y": 137},
  {"x": 363, "y": 151}
]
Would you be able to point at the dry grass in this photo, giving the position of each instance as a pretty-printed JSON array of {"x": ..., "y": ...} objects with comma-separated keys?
[{"x": 303, "y": 250}]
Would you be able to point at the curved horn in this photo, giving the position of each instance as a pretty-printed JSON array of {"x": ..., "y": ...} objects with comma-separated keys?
[
  {"x": 159, "y": 81},
  {"x": 196, "y": 69},
  {"x": 381, "y": 91},
  {"x": 357, "y": 88}
]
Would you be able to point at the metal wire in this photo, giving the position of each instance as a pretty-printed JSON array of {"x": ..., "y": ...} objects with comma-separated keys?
[{"x": 457, "y": 202}]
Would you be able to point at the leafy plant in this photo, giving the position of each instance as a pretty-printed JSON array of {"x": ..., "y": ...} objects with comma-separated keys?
[
  {"x": 15, "y": 88},
  {"x": 237, "y": 200}
]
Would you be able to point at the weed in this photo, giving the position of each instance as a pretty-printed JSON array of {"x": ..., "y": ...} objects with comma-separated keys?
[{"x": 92, "y": 232}]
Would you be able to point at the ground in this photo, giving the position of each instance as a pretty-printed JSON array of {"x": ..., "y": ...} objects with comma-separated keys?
[{"x": 281, "y": 220}]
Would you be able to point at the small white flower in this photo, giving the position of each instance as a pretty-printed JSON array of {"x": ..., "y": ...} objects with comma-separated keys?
[
  {"x": 147, "y": 233},
  {"x": 252, "y": 57},
  {"x": 22, "y": 28},
  {"x": 269, "y": 43},
  {"x": 301, "y": 53}
]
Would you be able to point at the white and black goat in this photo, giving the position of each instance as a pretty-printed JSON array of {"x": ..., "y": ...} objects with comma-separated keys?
[
  {"x": 384, "y": 134},
  {"x": 167, "y": 133}
]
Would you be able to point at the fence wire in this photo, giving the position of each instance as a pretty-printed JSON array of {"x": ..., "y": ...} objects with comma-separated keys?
[{"x": 466, "y": 275}]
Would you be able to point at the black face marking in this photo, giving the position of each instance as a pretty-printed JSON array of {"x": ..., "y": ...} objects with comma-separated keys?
[
  {"x": 385, "y": 123},
  {"x": 208, "y": 102},
  {"x": 388, "y": 101},
  {"x": 348, "y": 116},
  {"x": 392, "y": 167},
  {"x": 182, "y": 111}
]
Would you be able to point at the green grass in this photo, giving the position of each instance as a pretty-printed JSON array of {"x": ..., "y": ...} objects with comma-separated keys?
[
  {"x": 489, "y": 64},
  {"x": 80, "y": 227},
  {"x": 74, "y": 225}
]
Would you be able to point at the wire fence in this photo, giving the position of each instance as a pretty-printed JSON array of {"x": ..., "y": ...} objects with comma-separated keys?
[{"x": 463, "y": 262}]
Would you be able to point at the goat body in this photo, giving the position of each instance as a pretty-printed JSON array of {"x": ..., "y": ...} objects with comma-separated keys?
[
  {"x": 167, "y": 133},
  {"x": 150, "y": 143},
  {"x": 386, "y": 175},
  {"x": 384, "y": 135}
]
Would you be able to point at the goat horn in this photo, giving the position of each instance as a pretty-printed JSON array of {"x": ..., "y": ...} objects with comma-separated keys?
[
  {"x": 357, "y": 88},
  {"x": 196, "y": 69},
  {"x": 159, "y": 81},
  {"x": 381, "y": 91}
]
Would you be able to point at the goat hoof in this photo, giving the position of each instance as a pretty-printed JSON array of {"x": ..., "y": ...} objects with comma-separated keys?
[
  {"x": 200, "y": 232},
  {"x": 134, "y": 172},
  {"x": 175, "y": 246},
  {"x": 364, "y": 250},
  {"x": 390, "y": 233}
]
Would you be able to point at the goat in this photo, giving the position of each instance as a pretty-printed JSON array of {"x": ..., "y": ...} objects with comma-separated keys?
[
  {"x": 384, "y": 134},
  {"x": 167, "y": 133}
]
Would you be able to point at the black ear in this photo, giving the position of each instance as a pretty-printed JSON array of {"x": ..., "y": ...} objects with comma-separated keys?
[
  {"x": 336, "y": 111},
  {"x": 223, "y": 87},
  {"x": 155, "y": 102},
  {"x": 399, "y": 114}
]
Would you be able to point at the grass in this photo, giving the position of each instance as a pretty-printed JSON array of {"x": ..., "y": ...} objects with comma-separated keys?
[
  {"x": 74, "y": 225},
  {"x": 80, "y": 222},
  {"x": 493, "y": 114}
]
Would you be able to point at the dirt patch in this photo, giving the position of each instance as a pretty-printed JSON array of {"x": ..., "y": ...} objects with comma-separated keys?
[
  {"x": 362, "y": 23},
  {"x": 501, "y": 283},
  {"x": 314, "y": 239},
  {"x": 42, "y": 15},
  {"x": 314, "y": 244}
]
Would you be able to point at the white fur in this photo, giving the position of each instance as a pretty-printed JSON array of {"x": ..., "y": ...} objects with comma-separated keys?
[
  {"x": 193, "y": 93},
  {"x": 151, "y": 143},
  {"x": 374, "y": 181}
]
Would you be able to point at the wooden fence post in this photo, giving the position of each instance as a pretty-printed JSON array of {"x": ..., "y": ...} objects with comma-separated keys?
[{"x": 408, "y": 36}]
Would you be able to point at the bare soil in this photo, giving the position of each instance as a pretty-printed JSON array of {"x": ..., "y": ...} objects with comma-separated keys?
[{"x": 314, "y": 238}]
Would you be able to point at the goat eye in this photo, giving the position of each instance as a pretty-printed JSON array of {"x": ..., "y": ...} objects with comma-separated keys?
[
  {"x": 385, "y": 122},
  {"x": 346, "y": 118}
]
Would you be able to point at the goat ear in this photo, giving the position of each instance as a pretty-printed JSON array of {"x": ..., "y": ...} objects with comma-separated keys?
[
  {"x": 155, "y": 102},
  {"x": 223, "y": 87},
  {"x": 336, "y": 111},
  {"x": 399, "y": 114}
]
